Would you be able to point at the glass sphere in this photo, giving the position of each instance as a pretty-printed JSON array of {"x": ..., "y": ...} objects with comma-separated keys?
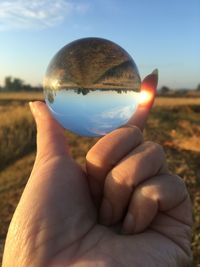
[{"x": 92, "y": 86}]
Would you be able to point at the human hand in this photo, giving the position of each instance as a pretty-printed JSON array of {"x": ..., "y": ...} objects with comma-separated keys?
[{"x": 56, "y": 221}]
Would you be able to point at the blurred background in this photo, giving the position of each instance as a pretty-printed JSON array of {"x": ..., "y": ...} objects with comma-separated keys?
[{"x": 157, "y": 34}]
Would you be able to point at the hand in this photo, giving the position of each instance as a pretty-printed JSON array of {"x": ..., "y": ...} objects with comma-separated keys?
[{"x": 56, "y": 221}]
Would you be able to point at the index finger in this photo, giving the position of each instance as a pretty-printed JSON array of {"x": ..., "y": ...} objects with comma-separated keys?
[{"x": 146, "y": 100}]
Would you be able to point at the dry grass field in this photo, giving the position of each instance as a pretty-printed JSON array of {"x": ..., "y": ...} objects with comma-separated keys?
[{"x": 173, "y": 122}]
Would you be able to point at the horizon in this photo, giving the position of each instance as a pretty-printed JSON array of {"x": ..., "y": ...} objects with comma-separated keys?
[{"x": 164, "y": 35}]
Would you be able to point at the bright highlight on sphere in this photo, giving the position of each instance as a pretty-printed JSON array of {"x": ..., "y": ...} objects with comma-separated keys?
[{"x": 92, "y": 86}]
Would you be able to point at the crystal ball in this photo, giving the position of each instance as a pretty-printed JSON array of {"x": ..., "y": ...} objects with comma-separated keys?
[{"x": 92, "y": 86}]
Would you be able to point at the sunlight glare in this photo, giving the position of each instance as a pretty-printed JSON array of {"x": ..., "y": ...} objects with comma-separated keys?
[{"x": 145, "y": 97}]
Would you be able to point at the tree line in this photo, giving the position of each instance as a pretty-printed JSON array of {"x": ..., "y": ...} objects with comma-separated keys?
[
  {"x": 164, "y": 90},
  {"x": 12, "y": 84}
]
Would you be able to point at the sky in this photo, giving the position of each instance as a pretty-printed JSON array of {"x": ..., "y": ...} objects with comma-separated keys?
[{"x": 163, "y": 34}]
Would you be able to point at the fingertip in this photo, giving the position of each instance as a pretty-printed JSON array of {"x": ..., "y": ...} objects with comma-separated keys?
[
  {"x": 39, "y": 109},
  {"x": 31, "y": 106},
  {"x": 33, "y": 111},
  {"x": 152, "y": 78},
  {"x": 155, "y": 72},
  {"x": 43, "y": 116}
]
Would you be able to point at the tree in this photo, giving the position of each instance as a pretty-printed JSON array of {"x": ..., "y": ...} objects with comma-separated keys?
[
  {"x": 164, "y": 90},
  {"x": 198, "y": 87},
  {"x": 13, "y": 84},
  {"x": 18, "y": 84},
  {"x": 8, "y": 83}
]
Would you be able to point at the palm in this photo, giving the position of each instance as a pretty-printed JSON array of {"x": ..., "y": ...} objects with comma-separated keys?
[{"x": 67, "y": 230}]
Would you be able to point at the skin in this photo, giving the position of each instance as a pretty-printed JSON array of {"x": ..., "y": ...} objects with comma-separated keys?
[{"x": 125, "y": 209}]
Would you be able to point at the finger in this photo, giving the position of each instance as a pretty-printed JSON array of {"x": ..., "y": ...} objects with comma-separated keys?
[
  {"x": 161, "y": 193},
  {"x": 146, "y": 99},
  {"x": 145, "y": 161},
  {"x": 106, "y": 153},
  {"x": 51, "y": 140}
]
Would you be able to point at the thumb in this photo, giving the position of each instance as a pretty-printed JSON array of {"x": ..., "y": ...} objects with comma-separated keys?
[
  {"x": 51, "y": 140},
  {"x": 146, "y": 99}
]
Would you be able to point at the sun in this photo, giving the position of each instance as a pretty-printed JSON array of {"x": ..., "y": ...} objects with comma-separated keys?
[{"x": 145, "y": 97}]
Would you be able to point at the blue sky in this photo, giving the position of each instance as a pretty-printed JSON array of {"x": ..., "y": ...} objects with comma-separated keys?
[{"x": 163, "y": 34}]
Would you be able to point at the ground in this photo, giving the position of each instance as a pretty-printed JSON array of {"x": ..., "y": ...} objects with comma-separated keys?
[{"x": 173, "y": 122}]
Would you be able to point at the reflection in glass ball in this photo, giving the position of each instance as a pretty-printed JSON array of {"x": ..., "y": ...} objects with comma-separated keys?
[{"x": 92, "y": 86}]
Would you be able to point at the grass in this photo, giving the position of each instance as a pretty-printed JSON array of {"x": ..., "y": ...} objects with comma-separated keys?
[
  {"x": 174, "y": 123},
  {"x": 17, "y": 134}
]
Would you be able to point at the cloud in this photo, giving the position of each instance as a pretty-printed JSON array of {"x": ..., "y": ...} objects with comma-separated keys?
[
  {"x": 37, "y": 14},
  {"x": 109, "y": 120},
  {"x": 121, "y": 113}
]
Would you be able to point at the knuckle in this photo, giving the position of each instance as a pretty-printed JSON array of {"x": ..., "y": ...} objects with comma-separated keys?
[
  {"x": 155, "y": 148},
  {"x": 133, "y": 131},
  {"x": 181, "y": 184},
  {"x": 137, "y": 132},
  {"x": 147, "y": 191},
  {"x": 120, "y": 176},
  {"x": 95, "y": 158}
]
